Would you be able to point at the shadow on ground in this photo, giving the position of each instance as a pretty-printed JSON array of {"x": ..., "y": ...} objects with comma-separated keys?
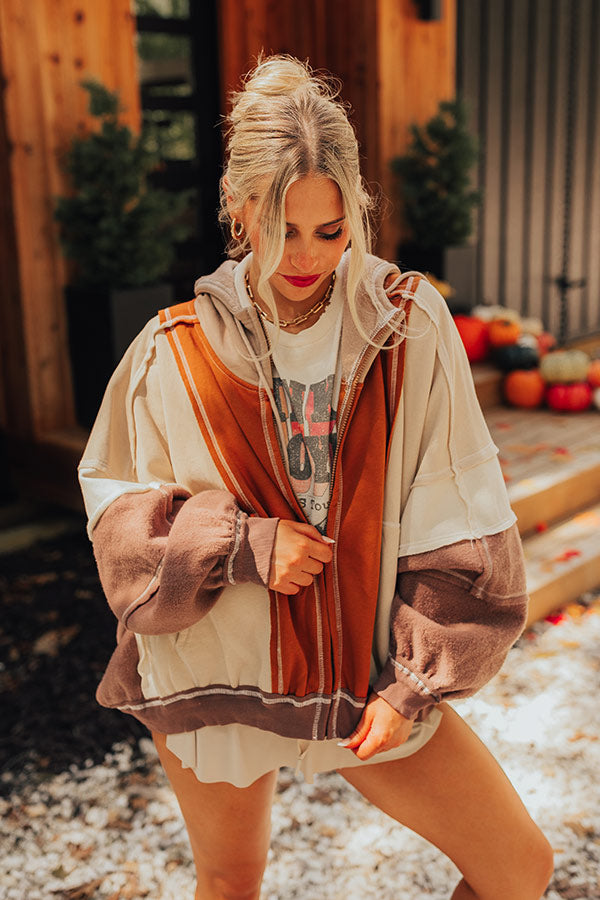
[{"x": 56, "y": 636}]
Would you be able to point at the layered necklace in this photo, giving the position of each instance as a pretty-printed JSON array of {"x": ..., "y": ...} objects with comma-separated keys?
[{"x": 283, "y": 323}]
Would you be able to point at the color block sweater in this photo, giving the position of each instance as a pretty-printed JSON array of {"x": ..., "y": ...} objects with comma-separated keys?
[{"x": 184, "y": 484}]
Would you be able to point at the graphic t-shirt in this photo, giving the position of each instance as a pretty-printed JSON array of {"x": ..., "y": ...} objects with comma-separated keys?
[{"x": 306, "y": 386}]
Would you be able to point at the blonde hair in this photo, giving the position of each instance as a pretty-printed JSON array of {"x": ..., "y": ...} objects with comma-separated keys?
[{"x": 284, "y": 124}]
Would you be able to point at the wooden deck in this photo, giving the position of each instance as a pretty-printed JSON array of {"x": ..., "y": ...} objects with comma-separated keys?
[{"x": 551, "y": 463}]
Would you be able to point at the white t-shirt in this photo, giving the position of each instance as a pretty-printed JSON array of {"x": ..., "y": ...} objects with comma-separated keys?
[{"x": 306, "y": 386}]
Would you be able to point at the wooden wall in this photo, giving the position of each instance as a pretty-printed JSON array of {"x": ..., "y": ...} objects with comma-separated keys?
[
  {"x": 394, "y": 68},
  {"x": 46, "y": 48}
]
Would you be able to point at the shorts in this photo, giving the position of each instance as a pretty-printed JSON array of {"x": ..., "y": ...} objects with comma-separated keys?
[{"x": 239, "y": 754}]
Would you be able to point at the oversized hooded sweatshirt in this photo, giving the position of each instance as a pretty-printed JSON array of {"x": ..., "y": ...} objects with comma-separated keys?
[{"x": 184, "y": 484}]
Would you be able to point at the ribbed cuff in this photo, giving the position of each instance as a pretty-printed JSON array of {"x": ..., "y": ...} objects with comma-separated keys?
[
  {"x": 404, "y": 690},
  {"x": 253, "y": 559}
]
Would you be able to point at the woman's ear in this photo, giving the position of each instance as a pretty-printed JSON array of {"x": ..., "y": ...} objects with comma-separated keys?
[{"x": 228, "y": 197}]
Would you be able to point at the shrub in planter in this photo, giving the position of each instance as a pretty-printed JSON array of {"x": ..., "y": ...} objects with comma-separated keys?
[
  {"x": 120, "y": 233},
  {"x": 437, "y": 199}
]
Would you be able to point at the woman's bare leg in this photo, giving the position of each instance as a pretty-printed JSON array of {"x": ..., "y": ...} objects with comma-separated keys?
[
  {"x": 454, "y": 794},
  {"x": 229, "y": 829}
]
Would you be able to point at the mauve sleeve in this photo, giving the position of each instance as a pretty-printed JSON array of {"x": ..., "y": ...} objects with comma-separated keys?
[
  {"x": 456, "y": 613},
  {"x": 164, "y": 556}
]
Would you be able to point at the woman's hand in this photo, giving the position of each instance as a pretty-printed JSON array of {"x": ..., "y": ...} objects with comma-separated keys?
[
  {"x": 381, "y": 728},
  {"x": 300, "y": 553}
]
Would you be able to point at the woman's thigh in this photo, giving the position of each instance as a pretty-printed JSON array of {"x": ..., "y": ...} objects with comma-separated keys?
[
  {"x": 229, "y": 827},
  {"x": 453, "y": 793}
]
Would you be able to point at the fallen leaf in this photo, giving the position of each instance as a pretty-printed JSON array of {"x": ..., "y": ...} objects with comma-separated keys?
[
  {"x": 79, "y": 852},
  {"x": 579, "y": 828},
  {"x": 82, "y": 892},
  {"x": 567, "y": 554},
  {"x": 49, "y": 643},
  {"x": 581, "y": 736}
]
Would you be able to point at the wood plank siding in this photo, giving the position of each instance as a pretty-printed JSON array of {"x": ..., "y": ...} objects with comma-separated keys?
[
  {"x": 529, "y": 71},
  {"x": 46, "y": 48},
  {"x": 394, "y": 69}
]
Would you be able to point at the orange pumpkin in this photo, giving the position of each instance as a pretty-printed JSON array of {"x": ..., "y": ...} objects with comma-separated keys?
[
  {"x": 502, "y": 332},
  {"x": 524, "y": 388},
  {"x": 593, "y": 375},
  {"x": 474, "y": 335}
]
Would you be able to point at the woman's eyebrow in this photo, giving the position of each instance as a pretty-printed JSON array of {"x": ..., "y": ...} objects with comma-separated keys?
[{"x": 324, "y": 225}]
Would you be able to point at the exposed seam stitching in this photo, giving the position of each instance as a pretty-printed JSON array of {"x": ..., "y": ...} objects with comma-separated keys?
[
  {"x": 476, "y": 589},
  {"x": 139, "y": 601},
  {"x": 420, "y": 684},
  {"x": 236, "y": 546},
  {"x": 338, "y": 602},
  {"x": 279, "y": 648},
  {"x": 317, "y": 719},
  {"x": 207, "y": 423},
  {"x": 244, "y": 692}
]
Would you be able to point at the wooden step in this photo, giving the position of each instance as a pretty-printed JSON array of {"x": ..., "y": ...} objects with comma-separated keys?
[
  {"x": 551, "y": 462},
  {"x": 488, "y": 384},
  {"x": 563, "y": 563}
]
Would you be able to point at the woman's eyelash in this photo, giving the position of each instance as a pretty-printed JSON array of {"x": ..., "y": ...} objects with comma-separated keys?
[{"x": 322, "y": 235}]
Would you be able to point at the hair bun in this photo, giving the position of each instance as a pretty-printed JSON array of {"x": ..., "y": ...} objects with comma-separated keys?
[{"x": 279, "y": 75}]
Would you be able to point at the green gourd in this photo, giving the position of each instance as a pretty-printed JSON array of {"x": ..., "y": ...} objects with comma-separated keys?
[{"x": 562, "y": 366}]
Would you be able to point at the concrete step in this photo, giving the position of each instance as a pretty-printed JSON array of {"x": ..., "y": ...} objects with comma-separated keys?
[
  {"x": 551, "y": 463},
  {"x": 563, "y": 562}
]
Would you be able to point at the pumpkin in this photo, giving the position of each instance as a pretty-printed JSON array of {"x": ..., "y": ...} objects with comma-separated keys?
[
  {"x": 569, "y": 397},
  {"x": 593, "y": 375},
  {"x": 524, "y": 388},
  {"x": 546, "y": 342},
  {"x": 563, "y": 366},
  {"x": 474, "y": 335},
  {"x": 532, "y": 326},
  {"x": 515, "y": 356},
  {"x": 488, "y": 313},
  {"x": 503, "y": 332},
  {"x": 528, "y": 340}
]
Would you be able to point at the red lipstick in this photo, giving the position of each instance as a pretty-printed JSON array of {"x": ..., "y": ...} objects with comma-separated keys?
[{"x": 299, "y": 281}]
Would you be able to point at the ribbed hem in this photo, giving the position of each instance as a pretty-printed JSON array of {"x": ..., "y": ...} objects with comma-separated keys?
[{"x": 313, "y": 717}]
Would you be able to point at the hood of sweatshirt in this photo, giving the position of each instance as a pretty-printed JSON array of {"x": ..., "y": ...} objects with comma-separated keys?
[{"x": 236, "y": 335}]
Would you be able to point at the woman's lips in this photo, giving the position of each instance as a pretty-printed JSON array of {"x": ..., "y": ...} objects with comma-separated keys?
[{"x": 301, "y": 281}]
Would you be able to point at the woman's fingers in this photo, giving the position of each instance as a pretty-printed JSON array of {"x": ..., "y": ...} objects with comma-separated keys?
[{"x": 299, "y": 554}]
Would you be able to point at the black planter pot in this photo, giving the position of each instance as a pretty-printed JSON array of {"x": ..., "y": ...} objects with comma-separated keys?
[
  {"x": 102, "y": 324},
  {"x": 456, "y": 265}
]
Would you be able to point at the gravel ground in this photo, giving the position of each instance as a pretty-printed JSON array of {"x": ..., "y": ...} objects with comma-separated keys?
[{"x": 85, "y": 810}]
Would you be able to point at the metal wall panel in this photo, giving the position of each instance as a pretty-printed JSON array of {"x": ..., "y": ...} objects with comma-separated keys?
[{"x": 530, "y": 72}]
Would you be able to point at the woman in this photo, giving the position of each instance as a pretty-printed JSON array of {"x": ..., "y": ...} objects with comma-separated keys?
[{"x": 301, "y": 525}]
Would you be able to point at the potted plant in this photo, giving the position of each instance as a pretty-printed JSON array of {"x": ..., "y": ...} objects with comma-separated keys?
[
  {"x": 120, "y": 233},
  {"x": 437, "y": 199}
]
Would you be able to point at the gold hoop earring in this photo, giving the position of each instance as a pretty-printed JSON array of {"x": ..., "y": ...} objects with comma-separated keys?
[{"x": 236, "y": 229}]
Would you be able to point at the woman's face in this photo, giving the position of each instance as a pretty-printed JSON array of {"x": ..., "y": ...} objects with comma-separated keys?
[{"x": 316, "y": 236}]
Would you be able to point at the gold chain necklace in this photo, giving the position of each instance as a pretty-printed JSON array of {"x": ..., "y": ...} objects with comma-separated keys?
[{"x": 321, "y": 304}]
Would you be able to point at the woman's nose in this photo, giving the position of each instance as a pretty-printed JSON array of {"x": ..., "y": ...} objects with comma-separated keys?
[{"x": 304, "y": 258}]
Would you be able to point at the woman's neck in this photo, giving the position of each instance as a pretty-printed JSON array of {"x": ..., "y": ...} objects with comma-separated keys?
[{"x": 289, "y": 310}]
